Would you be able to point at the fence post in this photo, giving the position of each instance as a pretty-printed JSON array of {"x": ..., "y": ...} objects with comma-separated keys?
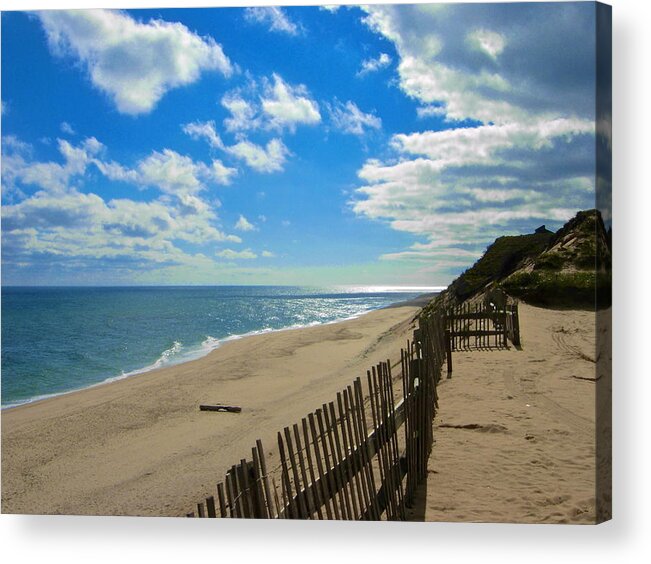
[
  {"x": 505, "y": 328},
  {"x": 448, "y": 352},
  {"x": 516, "y": 326}
]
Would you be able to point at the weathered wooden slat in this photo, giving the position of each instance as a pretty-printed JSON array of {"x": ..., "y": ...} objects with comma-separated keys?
[
  {"x": 333, "y": 479},
  {"x": 222, "y": 500},
  {"x": 231, "y": 493},
  {"x": 326, "y": 490},
  {"x": 329, "y": 447},
  {"x": 394, "y": 437},
  {"x": 365, "y": 444},
  {"x": 352, "y": 472},
  {"x": 316, "y": 491},
  {"x": 265, "y": 478},
  {"x": 285, "y": 484},
  {"x": 309, "y": 498},
  {"x": 346, "y": 480},
  {"x": 303, "y": 512},
  {"x": 279, "y": 514},
  {"x": 256, "y": 486},
  {"x": 210, "y": 507}
]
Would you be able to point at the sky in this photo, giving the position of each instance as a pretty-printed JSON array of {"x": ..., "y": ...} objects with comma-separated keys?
[{"x": 366, "y": 145}]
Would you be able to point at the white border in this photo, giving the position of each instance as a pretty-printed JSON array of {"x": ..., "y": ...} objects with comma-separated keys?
[{"x": 116, "y": 539}]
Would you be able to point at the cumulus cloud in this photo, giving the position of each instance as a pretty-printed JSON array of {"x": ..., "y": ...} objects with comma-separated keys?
[
  {"x": 134, "y": 63},
  {"x": 76, "y": 225},
  {"x": 244, "y": 114},
  {"x": 64, "y": 222},
  {"x": 270, "y": 158},
  {"x": 52, "y": 176},
  {"x": 244, "y": 224},
  {"x": 487, "y": 62},
  {"x": 272, "y": 105},
  {"x": 288, "y": 106},
  {"x": 488, "y": 42},
  {"x": 246, "y": 254},
  {"x": 170, "y": 172},
  {"x": 204, "y": 130},
  {"x": 373, "y": 65},
  {"x": 268, "y": 254},
  {"x": 67, "y": 128},
  {"x": 350, "y": 119},
  {"x": 519, "y": 146},
  {"x": 461, "y": 188},
  {"x": 274, "y": 17}
]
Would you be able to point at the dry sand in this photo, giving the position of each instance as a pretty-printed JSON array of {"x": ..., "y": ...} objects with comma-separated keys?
[
  {"x": 140, "y": 446},
  {"x": 515, "y": 432}
]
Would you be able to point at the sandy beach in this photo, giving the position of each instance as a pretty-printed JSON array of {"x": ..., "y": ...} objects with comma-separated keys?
[
  {"x": 515, "y": 432},
  {"x": 140, "y": 446}
]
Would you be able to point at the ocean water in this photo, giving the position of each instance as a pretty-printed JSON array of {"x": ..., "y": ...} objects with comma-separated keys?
[{"x": 55, "y": 340}]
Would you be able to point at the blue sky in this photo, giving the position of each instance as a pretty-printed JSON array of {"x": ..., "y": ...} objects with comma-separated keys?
[{"x": 383, "y": 145}]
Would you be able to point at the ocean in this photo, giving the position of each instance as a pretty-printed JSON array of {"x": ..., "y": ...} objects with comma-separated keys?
[{"x": 55, "y": 340}]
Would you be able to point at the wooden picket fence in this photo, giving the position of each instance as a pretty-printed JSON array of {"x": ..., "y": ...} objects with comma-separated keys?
[
  {"x": 482, "y": 326},
  {"x": 347, "y": 459}
]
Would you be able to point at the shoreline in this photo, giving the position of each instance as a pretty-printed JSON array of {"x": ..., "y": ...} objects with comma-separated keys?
[
  {"x": 198, "y": 353},
  {"x": 140, "y": 446}
]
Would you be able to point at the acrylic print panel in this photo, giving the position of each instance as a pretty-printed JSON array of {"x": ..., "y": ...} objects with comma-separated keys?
[{"x": 328, "y": 262}]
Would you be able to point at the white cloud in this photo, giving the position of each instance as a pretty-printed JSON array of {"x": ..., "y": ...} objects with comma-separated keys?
[
  {"x": 488, "y": 42},
  {"x": 220, "y": 173},
  {"x": 461, "y": 188},
  {"x": 263, "y": 159},
  {"x": 75, "y": 225},
  {"x": 244, "y": 115},
  {"x": 476, "y": 145},
  {"x": 288, "y": 106},
  {"x": 170, "y": 172},
  {"x": 430, "y": 111},
  {"x": 274, "y": 17},
  {"x": 272, "y": 105},
  {"x": 489, "y": 63},
  {"x": 417, "y": 36},
  {"x": 373, "y": 65},
  {"x": 134, "y": 63},
  {"x": 350, "y": 119},
  {"x": 532, "y": 159},
  {"x": 230, "y": 254},
  {"x": 268, "y": 254},
  {"x": 50, "y": 176},
  {"x": 204, "y": 130},
  {"x": 244, "y": 224},
  {"x": 67, "y": 128}
]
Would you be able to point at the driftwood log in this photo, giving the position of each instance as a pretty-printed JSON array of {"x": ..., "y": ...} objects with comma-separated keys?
[{"x": 219, "y": 407}]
